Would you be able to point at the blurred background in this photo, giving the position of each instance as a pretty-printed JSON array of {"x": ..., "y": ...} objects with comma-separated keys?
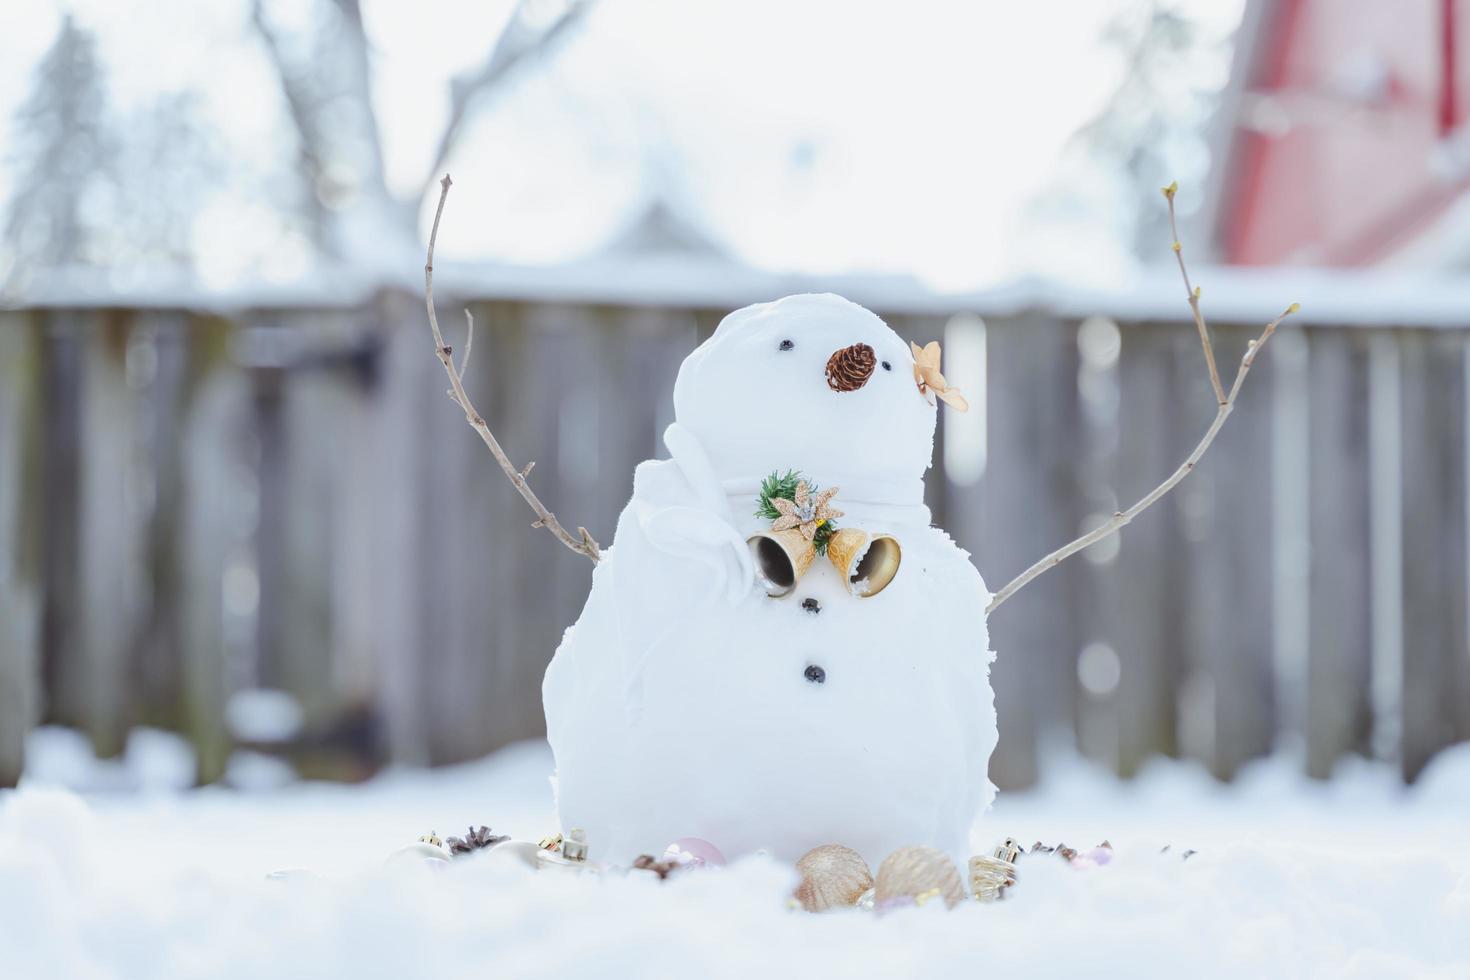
[{"x": 236, "y": 505}]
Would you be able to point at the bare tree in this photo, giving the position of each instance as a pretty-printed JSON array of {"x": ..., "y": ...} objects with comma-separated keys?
[
  {"x": 62, "y": 150},
  {"x": 325, "y": 77},
  {"x": 1148, "y": 129}
]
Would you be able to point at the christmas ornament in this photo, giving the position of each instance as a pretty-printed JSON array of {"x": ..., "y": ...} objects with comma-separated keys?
[
  {"x": 832, "y": 876},
  {"x": 679, "y": 703},
  {"x": 791, "y": 503},
  {"x": 991, "y": 875},
  {"x": 428, "y": 851},
  {"x": 574, "y": 845},
  {"x": 691, "y": 852},
  {"x": 1096, "y": 857},
  {"x": 566, "y": 853},
  {"x": 918, "y": 874},
  {"x": 866, "y": 562},
  {"x": 806, "y": 512},
  {"x": 781, "y": 559},
  {"x": 522, "y": 852},
  {"x": 926, "y": 373}
]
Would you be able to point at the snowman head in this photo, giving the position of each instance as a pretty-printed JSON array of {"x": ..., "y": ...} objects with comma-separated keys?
[{"x": 811, "y": 382}]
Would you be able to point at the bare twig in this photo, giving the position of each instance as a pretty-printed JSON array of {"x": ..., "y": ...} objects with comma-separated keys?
[
  {"x": 1193, "y": 293},
  {"x": 469, "y": 343},
  {"x": 583, "y": 544},
  {"x": 1226, "y": 405}
]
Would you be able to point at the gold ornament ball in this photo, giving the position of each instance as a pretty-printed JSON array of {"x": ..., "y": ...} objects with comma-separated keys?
[
  {"x": 912, "y": 872},
  {"x": 832, "y": 877}
]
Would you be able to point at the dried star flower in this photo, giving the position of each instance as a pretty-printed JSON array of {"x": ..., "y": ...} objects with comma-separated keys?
[
  {"x": 926, "y": 373},
  {"x": 807, "y": 512},
  {"x": 647, "y": 862}
]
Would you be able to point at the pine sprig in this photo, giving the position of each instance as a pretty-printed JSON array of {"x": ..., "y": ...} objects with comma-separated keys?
[
  {"x": 783, "y": 486},
  {"x": 776, "y": 485}
]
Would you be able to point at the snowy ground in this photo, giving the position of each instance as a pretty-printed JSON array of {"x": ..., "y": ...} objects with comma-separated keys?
[{"x": 132, "y": 878}]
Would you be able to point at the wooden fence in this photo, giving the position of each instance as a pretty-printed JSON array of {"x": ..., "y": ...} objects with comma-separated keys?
[{"x": 196, "y": 506}]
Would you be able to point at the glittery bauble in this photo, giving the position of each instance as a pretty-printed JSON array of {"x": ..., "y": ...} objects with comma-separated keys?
[
  {"x": 694, "y": 852},
  {"x": 832, "y": 876},
  {"x": 910, "y": 872}
]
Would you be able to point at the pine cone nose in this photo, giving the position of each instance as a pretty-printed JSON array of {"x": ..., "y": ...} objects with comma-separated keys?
[{"x": 850, "y": 368}]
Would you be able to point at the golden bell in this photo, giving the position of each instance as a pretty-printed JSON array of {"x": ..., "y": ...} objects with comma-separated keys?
[
  {"x": 866, "y": 562},
  {"x": 781, "y": 559}
]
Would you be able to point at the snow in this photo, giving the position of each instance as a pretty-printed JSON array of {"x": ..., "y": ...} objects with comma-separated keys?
[
  {"x": 1353, "y": 878},
  {"x": 1330, "y": 297}
]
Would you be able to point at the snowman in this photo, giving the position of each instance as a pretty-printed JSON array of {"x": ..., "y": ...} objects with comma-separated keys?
[{"x": 732, "y": 681}]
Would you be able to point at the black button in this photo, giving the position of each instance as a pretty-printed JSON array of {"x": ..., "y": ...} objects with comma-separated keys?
[{"x": 815, "y": 674}]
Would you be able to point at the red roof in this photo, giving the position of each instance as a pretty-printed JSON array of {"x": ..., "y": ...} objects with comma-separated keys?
[{"x": 1344, "y": 130}]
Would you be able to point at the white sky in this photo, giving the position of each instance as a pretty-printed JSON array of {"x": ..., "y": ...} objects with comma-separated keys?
[{"x": 817, "y": 135}]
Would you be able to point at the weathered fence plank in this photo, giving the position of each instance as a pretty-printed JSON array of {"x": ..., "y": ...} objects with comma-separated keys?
[
  {"x": 1027, "y": 507},
  {"x": 62, "y": 608},
  {"x": 1436, "y": 673},
  {"x": 20, "y": 594},
  {"x": 410, "y": 417},
  {"x": 157, "y": 369},
  {"x": 210, "y": 540},
  {"x": 112, "y": 537},
  {"x": 1227, "y": 508},
  {"x": 1144, "y": 621},
  {"x": 1338, "y": 673}
]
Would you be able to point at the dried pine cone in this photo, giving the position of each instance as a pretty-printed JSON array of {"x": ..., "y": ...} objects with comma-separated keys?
[
  {"x": 474, "y": 840},
  {"x": 850, "y": 368}
]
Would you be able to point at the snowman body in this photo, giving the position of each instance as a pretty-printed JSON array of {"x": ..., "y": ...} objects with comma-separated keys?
[{"x": 685, "y": 702}]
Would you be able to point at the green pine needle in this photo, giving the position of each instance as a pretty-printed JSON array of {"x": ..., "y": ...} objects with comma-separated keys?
[
  {"x": 776, "y": 485},
  {"x": 783, "y": 486}
]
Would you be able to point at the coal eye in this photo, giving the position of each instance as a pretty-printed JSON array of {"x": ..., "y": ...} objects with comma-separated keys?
[
  {"x": 787, "y": 345},
  {"x": 887, "y": 366}
]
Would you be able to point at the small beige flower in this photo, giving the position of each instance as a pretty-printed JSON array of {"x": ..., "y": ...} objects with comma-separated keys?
[
  {"x": 806, "y": 512},
  {"x": 926, "y": 373}
]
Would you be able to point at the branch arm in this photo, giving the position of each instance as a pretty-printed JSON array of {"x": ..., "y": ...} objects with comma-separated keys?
[
  {"x": 1193, "y": 293},
  {"x": 583, "y": 544},
  {"x": 1124, "y": 518}
]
